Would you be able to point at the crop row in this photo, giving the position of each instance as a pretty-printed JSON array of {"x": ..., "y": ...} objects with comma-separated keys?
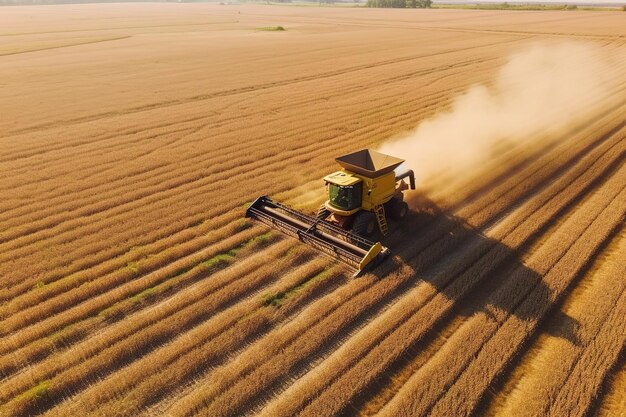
[
  {"x": 544, "y": 367},
  {"x": 490, "y": 339},
  {"x": 368, "y": 355},
  {"x": 140, "y": 333},
  {"x": 150, "y": 206},
  {"x": 344, "y": 314},
  {"x": 74, "y": 253},
  {"x": 204, "y": 346},
  {"x": 222, "y": 131},
  {"x": 66, "y": 309}
]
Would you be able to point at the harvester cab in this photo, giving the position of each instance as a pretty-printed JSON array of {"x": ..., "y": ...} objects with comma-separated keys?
[
  {"x": 365, "y": 192},
  {"x": 360, "y": 198}
]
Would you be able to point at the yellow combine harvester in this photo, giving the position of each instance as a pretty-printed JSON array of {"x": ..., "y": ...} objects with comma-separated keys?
[{"x": 360, "y": 197}]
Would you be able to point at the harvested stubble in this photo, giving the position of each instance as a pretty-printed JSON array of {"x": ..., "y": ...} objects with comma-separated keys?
[
  {"x": 207, "y": 344},
  {"x": 139, "y": 334},
  {"x": 138, "y": 222},
  {"x": 108, "y": 196},
  {"x": 614, "y": 402},
  {"x": 46, "y": 288},
  {"x": 341, "y": 316},
  {"x": 546, "y": 366},
  {"x": 105, "y": 306},
  {"x": 491, "y": 338},
  {"x": 124, "y": 281},
  {"x": 154, "y": 200},
  {"x": 376, "y": 358}
]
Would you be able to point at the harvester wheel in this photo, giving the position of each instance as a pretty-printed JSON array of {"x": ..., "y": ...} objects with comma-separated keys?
[
  {"x": 399, "y": 210},
  {"x": 364, "y": 223},
  {"x": 322, "y": 213}
]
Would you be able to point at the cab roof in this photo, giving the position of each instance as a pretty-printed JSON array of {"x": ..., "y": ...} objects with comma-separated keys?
[{"x": 342, "y": 178}]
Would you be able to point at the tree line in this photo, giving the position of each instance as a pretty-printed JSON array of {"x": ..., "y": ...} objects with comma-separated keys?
[{"x": 400, "y": 4}]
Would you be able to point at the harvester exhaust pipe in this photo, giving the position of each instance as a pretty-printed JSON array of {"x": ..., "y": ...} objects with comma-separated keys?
[
  {"x": 359, "y": 253},
  {"x": 411, "y": 176}
]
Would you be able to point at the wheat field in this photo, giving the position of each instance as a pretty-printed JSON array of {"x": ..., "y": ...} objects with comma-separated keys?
[{"x": 134, "y": 136}]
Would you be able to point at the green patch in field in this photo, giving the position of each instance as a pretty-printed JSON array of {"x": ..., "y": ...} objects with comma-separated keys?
[
  {"x": 261, "y": 240},
  {"x": 221, "y": 259},
  {"x": 136, "y": 248},
  {"x": 294, "y": 250},
  {"x": 183, "y": 270},
  {"x": 271, "y": 299},
  {"x": 272, "y": 29},
  {"x": 133, "y": 267},
  {"x": 145, "y": 294},
  {"x": 39, "y": 391},
  {"x": 277, "y": 299},
  {"x": 66, "y": 335},
  {"x": 113, "y": 313},
  {"x": 39, "y": 284},
  {"x": 119, "y": 309},
  {"x": 243, "y": 225}
]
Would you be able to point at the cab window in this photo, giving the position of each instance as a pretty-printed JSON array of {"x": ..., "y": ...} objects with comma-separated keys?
[{"x": 345, "y": 197}]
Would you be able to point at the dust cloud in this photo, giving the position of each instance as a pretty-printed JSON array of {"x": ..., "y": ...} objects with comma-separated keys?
[{"x": 542, "y": 88}]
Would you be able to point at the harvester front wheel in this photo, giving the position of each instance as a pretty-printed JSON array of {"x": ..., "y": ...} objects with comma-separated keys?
[
  {"x": 399, "y": 210},
  {"x": 364, "y": 223}
]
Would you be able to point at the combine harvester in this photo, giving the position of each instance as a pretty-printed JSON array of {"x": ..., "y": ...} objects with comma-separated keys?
[{"x": 360, "y": 197}]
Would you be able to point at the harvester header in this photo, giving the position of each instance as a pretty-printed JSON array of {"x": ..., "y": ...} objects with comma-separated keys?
[
  {"x": 334, "y": 241},
  {"x": 360, "y": 198}
]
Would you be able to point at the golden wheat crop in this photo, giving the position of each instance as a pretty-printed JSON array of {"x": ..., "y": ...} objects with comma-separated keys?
[{"x": 135, "y": 135}]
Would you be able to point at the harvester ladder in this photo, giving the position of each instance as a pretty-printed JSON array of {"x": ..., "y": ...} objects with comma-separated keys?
[{"x": 382, "y": 220}]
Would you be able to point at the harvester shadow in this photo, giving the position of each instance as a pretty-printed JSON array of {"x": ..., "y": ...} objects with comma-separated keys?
[{"x": 479, "y": 274}]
